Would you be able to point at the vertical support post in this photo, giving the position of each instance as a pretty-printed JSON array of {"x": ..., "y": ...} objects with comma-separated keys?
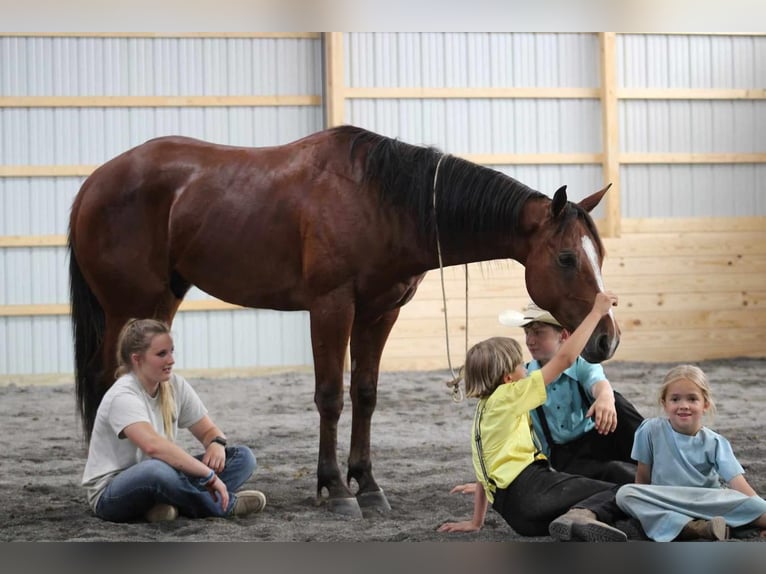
[
  {"x": 610, "y": 120},
  {"x": 334, "y": 80},
  {"x": 335, "y": 102}
]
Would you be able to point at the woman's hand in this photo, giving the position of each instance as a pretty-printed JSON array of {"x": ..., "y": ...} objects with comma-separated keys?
[
  {"x": 217, "y": 489},
  {"x": 215, "y": 457}
]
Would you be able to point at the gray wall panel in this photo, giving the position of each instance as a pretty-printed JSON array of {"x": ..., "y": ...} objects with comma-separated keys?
[
  {"x": 471, "y": 60},
  {"x": 485, "y": 126},
  {"x": 693, "y": 190},
  {"x": 46, "y": 66}
]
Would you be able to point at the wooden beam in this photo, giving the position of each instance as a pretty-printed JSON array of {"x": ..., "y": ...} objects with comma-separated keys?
[
  {"x": 691, "y": 158},
  {"x": 532, "y": 158},
  {"x": 693, "y": 224},
  {"x": 46, "y": 170},
  {"x": 192, "y": 35},
  {"x": 32, "y": 240},
  {"x": 155, "y": 101},
  {"x": 471, "y": 93},
  {"x": 610, "y": 122},
  {"x": 63, "y": 308},
  {"x": 335, "y": 82},
  {"x": 691, "y": 94}
]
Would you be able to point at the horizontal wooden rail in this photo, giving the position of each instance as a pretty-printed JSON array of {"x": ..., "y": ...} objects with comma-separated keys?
[
  {"x": 691, "y": 94},
  {"x": 480, "y": 158},
  {"x": 691, "y": 158},
  {"x": 470, "y": 93},
  {"x": 156, "y": 101},
  {"x": 63, "y": 309},
  {"x": 32, "y": 240},
  {"x": 188, "y": 35}
]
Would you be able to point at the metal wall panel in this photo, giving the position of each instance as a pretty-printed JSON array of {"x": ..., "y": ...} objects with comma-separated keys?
[
  {"x": 693, "y": 190},
  {"x": 454, "y": 60},
  {"x": 692, "y": 126},
  {"x": 69, "y": 66},
  {"x": 688, "y": 61},
  {"x": 484, "y": 125}
]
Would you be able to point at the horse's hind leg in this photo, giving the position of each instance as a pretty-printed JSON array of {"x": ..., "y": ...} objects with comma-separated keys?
[
  {"x": 162, "y": 307},
  {"x": 367, "y": 342},
  {"x": 331, "y": 318}
]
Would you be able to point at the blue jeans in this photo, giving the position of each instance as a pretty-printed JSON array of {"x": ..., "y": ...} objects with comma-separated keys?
[{"x": 138, "y": 488}]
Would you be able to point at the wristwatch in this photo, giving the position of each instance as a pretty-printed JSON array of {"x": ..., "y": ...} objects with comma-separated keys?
[{"x": 220, "y": 440}]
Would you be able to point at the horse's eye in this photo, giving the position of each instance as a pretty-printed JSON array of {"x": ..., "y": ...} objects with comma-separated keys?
[{"x": 567, "y": 259}]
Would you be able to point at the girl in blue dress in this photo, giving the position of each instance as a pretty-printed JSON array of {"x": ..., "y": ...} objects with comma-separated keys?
[{"x": 689, "y": 485}]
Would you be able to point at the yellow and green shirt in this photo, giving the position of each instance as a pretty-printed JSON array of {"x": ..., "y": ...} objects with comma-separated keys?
[{"x": 506, "y": 431}]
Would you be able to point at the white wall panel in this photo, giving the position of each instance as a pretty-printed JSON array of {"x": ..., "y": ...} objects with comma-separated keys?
[
  {"x": 693, "y": 126},
  {"x": 70, "y": 66},
  {"x": 471, "y": 60},
  {"x": 688, "y": 61},
  {"x": 485, "y": 126},
  {"x": 693, "y": 190}
]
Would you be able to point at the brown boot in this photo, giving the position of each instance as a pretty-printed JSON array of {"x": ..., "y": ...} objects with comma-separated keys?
[{"x": 713, "y": 529}]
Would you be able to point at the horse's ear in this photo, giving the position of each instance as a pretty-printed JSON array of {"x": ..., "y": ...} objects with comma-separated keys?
[
  {"x": 590, "y": 202},
  {"x": 559, "y": 200}
]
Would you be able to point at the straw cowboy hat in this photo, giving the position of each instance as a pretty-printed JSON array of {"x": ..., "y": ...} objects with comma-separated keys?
[{"x": 532, "y": 313}]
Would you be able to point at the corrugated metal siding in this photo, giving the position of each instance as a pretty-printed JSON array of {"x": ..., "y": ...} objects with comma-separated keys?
[
  {"x": 159, "y": 66},
  {"x": 485, "y": 125},
  {"x": 692, "y": 126},
  {"x": 88, "y": 136},
  {"x": 454, "y": 60},
  {"x": 693, "y": 190},
  {"x": 655, "y": 61}
]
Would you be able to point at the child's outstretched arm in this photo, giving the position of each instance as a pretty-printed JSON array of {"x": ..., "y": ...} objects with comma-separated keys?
[
  {"x": 576, "y": 342},
  {"x": 480, "y": 504},
  {"x": 741, "y": 484}
]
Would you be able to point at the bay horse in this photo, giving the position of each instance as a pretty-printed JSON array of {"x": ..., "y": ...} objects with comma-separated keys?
[{"x": 343, "y": 223}]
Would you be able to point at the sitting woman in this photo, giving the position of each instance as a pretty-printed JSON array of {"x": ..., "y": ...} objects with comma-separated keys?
[{"x": 134, "y": 468}]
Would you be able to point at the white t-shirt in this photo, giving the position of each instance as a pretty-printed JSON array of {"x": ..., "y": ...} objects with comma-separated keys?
[{"x": 125, "y": 403}]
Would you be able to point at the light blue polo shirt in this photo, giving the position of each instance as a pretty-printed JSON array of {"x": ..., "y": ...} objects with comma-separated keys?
[{"x": 564, "y": 409}]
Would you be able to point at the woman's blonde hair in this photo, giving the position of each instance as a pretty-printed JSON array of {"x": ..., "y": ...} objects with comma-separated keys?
[
  {"x": 136, "y": 337},
  {"x": 690, "y": 373},
  {"x": 487, "y": 362}
]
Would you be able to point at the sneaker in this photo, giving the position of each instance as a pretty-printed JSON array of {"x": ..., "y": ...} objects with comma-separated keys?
[
  {"x": 581, "y": 524},
  {"x": 248, "y": 502},
  {"x": 161, "y": 513}
]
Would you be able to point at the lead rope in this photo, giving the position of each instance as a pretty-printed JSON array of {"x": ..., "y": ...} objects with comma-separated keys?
[{"x": 457, "y": 392}]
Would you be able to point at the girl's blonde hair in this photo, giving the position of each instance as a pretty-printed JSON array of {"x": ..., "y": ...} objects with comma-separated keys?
[
  {"x": 136, "y": 337},
  {"x": 690, "y": 373},
  {"x": 487, "y": 362}
]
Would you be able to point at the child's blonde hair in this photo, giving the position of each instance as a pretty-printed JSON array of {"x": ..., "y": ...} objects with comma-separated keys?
[
  {"x": 136, "y": 337},
  {"x": 487, "y": 362},
  {"x": 690, "y": 373}
]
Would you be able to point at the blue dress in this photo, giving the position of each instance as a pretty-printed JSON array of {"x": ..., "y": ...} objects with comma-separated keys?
[{"x": 688, "y": 475}]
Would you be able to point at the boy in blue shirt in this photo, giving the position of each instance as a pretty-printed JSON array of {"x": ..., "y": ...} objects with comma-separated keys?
[{"x": 584, "y": 426}]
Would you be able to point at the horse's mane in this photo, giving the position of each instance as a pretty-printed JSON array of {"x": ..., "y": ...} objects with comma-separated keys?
[{"x": 470, "y": 197}]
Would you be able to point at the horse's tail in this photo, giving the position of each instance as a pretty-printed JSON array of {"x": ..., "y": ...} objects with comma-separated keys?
[{"x": 88, "y": 327}]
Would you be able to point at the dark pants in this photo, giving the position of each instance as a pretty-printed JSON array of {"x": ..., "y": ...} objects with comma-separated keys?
[
  {"x": 603, "y": 457},
  {"x": 540, "y": 494}
]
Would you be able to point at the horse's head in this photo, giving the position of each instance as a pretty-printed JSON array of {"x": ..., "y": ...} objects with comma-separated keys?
[{"x": 563, "y": 270}]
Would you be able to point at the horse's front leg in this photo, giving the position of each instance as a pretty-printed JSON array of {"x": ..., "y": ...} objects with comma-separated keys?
[
  {"x": 331, "y": 319},
  {"x": 367, "y": 342}
]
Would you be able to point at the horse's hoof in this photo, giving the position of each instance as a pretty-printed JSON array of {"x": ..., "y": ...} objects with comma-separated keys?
[
  {"x": 345, "y": 506},
  {"x": 375, "y": 500}
]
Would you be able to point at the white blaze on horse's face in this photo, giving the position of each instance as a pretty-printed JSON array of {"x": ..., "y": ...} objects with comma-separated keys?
[{"x": 590, "y": 251}]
